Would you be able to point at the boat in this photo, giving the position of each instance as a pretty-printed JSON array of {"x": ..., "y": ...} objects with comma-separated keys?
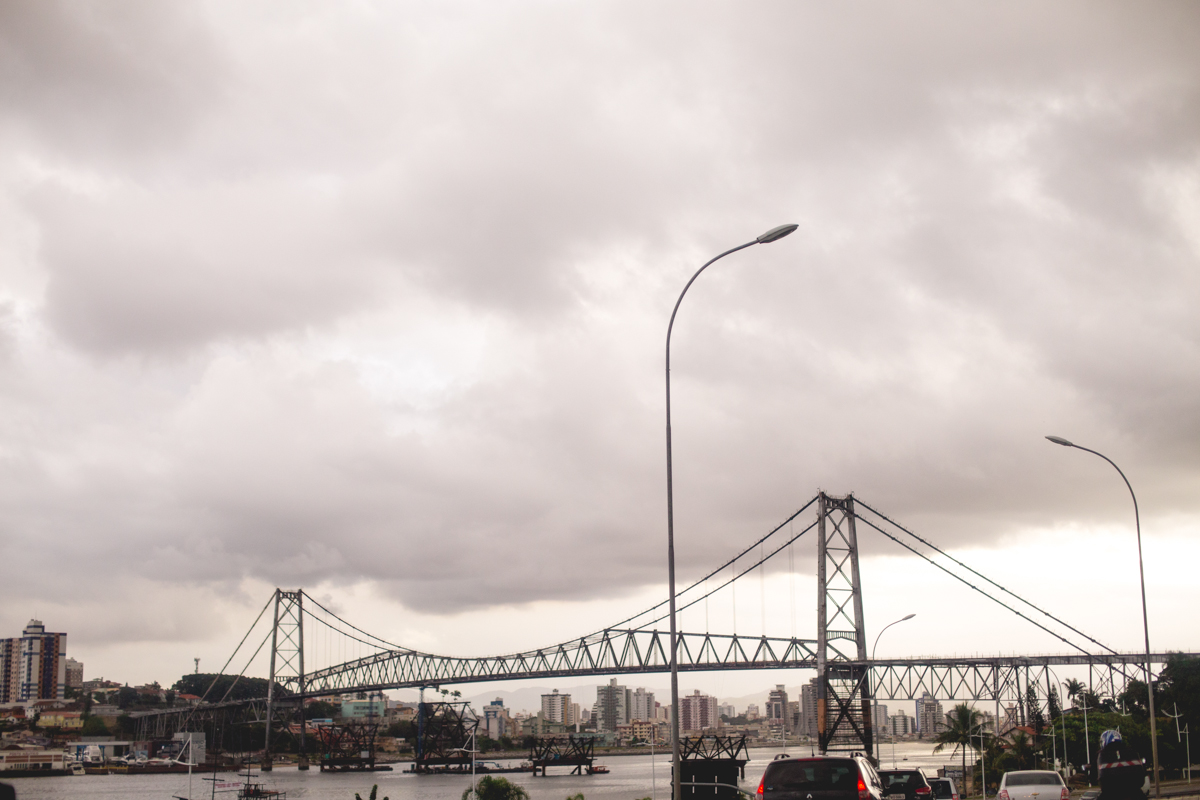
[
  {"x": 597, "y": 769},
  {"x": 257, "y": 791},
  {"x": 77, "y": 768}
]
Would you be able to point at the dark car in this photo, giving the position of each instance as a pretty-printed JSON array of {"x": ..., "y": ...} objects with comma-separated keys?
[
  {"x": 905, "y": 784},
  {"x": 849, "y": 777}
]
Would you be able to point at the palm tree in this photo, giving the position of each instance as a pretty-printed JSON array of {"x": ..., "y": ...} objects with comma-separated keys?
[
  {"x": 490, "y": 788},
  {"x": 1021, "y": 750},
  {"x": 962, "y": 724},
  {"x": 1074, "y": 689}
]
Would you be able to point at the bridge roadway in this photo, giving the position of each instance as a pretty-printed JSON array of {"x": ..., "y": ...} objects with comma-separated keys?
[
  {"x": 622, "y": 651},
  {"x": 616, "y": 652}
]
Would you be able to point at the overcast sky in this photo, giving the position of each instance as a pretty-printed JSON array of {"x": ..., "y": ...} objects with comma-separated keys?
[{"x": 371, "y": 298}]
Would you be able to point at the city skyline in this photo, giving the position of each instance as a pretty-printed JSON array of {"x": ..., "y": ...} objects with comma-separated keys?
[{"x": 371, "y": 301}]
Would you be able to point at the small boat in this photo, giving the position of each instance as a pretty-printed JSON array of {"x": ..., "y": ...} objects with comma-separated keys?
[
  {"x": 597, "y": 769},
  {"x": 77, "y": 768},
  {"x": 254, "y": 791}
]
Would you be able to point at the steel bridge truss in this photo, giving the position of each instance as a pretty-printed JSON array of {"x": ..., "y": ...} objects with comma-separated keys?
[{"x": 609, "y": 652}]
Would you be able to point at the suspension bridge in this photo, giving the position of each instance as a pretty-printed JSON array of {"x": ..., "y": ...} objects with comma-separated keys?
[{"x": 299, "y": 625}]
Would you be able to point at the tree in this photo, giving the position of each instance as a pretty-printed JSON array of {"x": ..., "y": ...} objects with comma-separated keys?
[
  {"x": 237, "y": 687},
  {"x": 320, "y": 709},
  {"x": 1034, "y": 710},
  {"x": 374, "y": 790},
  {"x": 1074, "y": 689},
  {"x": 1053, "y": 704},
  {"x": 490, "y": 788},
  {"x": 126, "y": 727},
  {"x": 963, "y": 723},
  {"x": 126, "y": 697},
  {"x": 1020, "y": 752},
  {"x": 93, "y": 726}
]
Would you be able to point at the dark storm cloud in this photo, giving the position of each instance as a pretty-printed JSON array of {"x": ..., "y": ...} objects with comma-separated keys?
[{"x": 326, "y": 296}]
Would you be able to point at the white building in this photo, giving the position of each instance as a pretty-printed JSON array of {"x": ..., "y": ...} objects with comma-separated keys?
[
  {"x": 643, "y": 705},
  {"x": 558, "y": 708}
]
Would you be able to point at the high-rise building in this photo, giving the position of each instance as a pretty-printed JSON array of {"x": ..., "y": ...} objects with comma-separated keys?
[
  {"x": 808, "y": 708},
  {"x": 929, "y": 715},
  {"x": 612, "y": 707},
  {"x": 74, "y": 673},
  {"x": 496, "y": 722},
  {"x": 34, "y": 666},
  {"x": 642, "y": 706},
  {"x": 752, "y": 711},
  {"x": 900, "y": 724},
  {"x": 557, "y": 708},
  {"x": 881, "y": 717},
  {"x": 777, "y": 706},
  {"x": 698, "y": 712},
  {"x": 726, "y": 710}
]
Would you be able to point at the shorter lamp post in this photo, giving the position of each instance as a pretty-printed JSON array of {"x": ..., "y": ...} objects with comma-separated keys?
[
  {"x": 874, "y": 699},
  {"x": 982, "y": 737}
]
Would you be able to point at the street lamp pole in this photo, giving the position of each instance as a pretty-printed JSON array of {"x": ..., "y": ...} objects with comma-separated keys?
[
  {"x": 676, "y": 765},
  {"x": 874, "y": 699},
  {"x": 982, "y": 759},
  {"x": 1145, "y": 617}
]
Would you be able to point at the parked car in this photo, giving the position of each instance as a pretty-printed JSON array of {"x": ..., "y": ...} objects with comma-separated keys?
[
  {"x": 943, "y": 788},
  {"x": 1033, "y": 784},
  {"x": 905, "y": 784},
  {"x": 821, "y": 778}
]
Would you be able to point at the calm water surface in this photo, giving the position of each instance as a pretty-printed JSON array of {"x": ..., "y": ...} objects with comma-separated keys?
[{"x": 631, "y": 778}]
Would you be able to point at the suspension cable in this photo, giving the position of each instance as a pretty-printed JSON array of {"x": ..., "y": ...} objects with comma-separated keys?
[{"x": 984, "y": 577}]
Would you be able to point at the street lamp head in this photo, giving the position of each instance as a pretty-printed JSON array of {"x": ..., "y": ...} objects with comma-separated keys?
[
  {"x": 776, "y": 233},
  {"x": 910, "y": 616},
  {"x": 1060, "y": 440}
]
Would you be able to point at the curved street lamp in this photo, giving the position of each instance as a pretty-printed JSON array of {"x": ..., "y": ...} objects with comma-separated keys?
[
  {"x": 1145, "y": 619},
  {"x": 874, "y": 699},
  {"x": 772, "y": 235}
]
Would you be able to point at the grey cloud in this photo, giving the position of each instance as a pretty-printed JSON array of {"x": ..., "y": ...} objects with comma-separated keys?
[{"x": 983, "y": 258}]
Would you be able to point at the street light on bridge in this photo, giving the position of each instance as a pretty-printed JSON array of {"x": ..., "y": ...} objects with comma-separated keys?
[
  {"x": 874, "y": 699},
  {"x": 773, "y": 235},
  {"x": 1145, "y": 619}
]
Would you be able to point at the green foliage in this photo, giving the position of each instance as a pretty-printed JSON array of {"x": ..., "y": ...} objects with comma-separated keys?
[
  {"x": 374, "y": 790},
  {"x": 507, "y": 743},
  {"x": 402, "y": 730},
  {"x": 197, "y": 683},
  {"x": 126, "y": 727},
  {"x": 1036, "y": 720},
  {"x": 1020, "y": 754},
  {"x": 320, "y": 709},
  {"x": 490, "y": 788},
  {"x": 964, "y": 725},
  {"x": 93, "y": 726},
  {"x": 126, "y": 697},
  {"x": 484, "y": 743},
  {"x": 575, "y": 796},
  {"x": 1053, "y": 702}
]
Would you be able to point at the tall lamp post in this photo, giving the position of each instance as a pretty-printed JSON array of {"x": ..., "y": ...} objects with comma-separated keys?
[
  {"x": 772, "y": 235},
  {"x": 1145, "y": 619},
  {"x": 874, "y": 699}
]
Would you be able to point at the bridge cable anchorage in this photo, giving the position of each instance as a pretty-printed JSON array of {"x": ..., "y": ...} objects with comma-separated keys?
[
  {"x": 965, "y": 582},
  {"x": 989, "y": 580}
]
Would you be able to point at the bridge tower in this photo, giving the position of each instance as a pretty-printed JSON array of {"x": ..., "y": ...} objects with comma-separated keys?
[
  {"x": 287, "y": 661},
  {"x": 843, "y": 690}
]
